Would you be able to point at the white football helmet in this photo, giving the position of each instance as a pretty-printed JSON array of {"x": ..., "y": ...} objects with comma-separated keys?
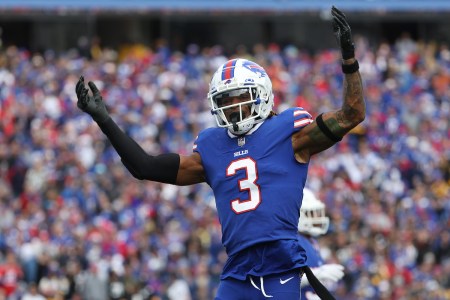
[
  {"x": 233, "y": 79},
  {"x": 313, "y": 220}
]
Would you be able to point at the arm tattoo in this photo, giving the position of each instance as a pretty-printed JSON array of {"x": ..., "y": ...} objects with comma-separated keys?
[
  {"x": 338, "y": 122},
  {"x": 337, "y": 125},
  {"x": 317, "y": 135},
  {"x": 353, "y": 108}
]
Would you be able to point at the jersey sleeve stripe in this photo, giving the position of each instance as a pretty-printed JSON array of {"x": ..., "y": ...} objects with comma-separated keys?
[
  {"x": 302, "y": 113},
  {"x": 297, "y": 112},
  {"x": 302, "y": 122},
  {"x": 194, "y": 146}
]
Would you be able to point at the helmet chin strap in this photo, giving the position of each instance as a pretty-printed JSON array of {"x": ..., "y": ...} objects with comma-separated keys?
[{"x": 234, "y": 118}]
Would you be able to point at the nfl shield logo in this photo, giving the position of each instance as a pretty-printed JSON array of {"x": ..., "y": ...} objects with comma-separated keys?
[{"x": 241, "y": 141}]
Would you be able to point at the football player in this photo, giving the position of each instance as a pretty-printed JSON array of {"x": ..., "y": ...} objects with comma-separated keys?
[
  {"x": 313, "y": 223},
  {"x": 256, "y": 163}
]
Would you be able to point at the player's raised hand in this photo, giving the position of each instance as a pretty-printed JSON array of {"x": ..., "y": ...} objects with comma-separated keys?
[
  {"x": 343, "y": 33},
  {"x": 93, "y": 105}
]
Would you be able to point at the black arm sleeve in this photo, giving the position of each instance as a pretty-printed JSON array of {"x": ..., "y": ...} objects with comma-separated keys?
[{"x": 161, "y": 168}]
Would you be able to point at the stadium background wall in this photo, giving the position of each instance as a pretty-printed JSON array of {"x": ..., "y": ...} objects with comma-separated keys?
[{"x": 39, "y": 31}]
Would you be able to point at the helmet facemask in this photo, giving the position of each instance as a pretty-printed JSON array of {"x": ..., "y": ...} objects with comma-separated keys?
[{"x": 247, "y": 112}]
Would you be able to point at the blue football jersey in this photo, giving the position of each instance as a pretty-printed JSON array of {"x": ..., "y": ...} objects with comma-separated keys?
[
  {"x": 314, "y": 260},
  {"x": 257, "y": 183}
]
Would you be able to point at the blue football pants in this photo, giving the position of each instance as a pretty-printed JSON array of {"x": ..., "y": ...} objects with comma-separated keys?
[{"x": 283, "y": 286}]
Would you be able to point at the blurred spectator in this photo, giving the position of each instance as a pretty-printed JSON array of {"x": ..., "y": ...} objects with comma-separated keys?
[
  {"x": 178, "y": 289},
  {"x": 55, "y": 283},
  {"x": 32, "y": 293},
  {"x": 10, "y": 275},
  {"x": 92, "y": 285}
]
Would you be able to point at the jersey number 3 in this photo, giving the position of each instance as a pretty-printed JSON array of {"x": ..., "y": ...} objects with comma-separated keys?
[{"x": 248, "y": 183}]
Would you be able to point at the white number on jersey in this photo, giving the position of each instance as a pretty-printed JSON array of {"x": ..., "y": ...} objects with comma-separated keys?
[{"x": 248, "y": 183}]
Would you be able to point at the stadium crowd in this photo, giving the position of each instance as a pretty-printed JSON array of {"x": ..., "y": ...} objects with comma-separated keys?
[{"x": 74, "y": 224}]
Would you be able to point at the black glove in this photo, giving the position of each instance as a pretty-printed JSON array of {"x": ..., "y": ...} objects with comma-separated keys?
[
  {"x": 343, "y": 33},
  {"x": 94, "y": 105}
]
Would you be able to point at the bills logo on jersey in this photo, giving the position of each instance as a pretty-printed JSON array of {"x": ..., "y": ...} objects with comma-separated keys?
[
  {"x": 240, "y": 153},
  {"x": 255, "y": 68}
]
